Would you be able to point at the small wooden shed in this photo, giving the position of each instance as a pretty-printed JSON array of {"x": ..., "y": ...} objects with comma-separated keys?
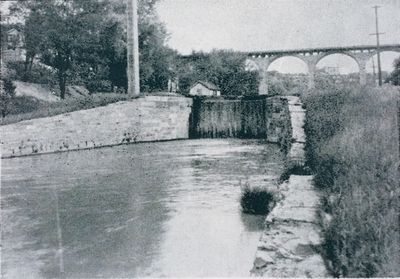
[{"x": 203, "y": 88}]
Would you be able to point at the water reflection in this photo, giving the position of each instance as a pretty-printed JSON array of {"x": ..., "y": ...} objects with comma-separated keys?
[{"x": 156, "y": 209}]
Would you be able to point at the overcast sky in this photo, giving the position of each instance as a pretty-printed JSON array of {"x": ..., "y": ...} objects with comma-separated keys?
[{"x": 250, "y": 25}]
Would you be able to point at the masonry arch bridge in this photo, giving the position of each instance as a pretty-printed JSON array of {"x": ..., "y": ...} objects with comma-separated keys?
[{"x": 361, "y": 54}]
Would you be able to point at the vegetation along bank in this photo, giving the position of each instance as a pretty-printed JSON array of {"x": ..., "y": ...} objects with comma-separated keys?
[{"x": 353, "y": 149}]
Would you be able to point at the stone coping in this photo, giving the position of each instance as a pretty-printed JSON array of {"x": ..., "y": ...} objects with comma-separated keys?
[{"x": 288, "y": 246}]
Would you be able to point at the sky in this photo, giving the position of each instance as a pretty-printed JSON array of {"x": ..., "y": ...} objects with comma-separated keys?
[{"x": 256, "y": 25}]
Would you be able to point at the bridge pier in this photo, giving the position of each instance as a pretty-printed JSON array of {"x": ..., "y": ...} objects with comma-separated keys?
[
  {"x": 311, "y": 62},
  {"x": 263, "y": 64},
  {"x": 363, "y": 74},
  {"x": 362, "y": 59}
]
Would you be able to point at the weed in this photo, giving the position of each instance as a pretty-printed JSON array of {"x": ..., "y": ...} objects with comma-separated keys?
[{"x": 256, "y": 200}]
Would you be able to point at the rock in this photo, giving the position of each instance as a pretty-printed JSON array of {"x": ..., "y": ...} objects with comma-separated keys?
[{"x": 263, "y": 258}]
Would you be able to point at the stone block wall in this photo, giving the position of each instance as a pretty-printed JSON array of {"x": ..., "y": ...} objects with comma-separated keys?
[
  {"x": 278, "y": 122},
  {"x": 259, "y": 117},
  {"x": 150, "y": 118}
]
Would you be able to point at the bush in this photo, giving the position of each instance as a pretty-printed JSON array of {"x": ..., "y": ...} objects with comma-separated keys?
[
  {"x": 98, "y": 86},
  {"x": 256, "y": 200},
  {"x": 353, "y": 149},
  {"x": 7, "y": 94},
  {"x": 38, "y": 74},
  {"x": 25, "y": 104}
]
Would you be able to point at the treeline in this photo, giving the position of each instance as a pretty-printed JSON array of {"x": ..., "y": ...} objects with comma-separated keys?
[
  {"x": 224, "y": 68},
  {"x": 84, "y": 43}
]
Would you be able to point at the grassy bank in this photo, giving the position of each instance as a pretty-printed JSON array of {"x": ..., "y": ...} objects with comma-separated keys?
[
  {"x": 353, "y": 149},
  {"x": 25, "y": 107}
]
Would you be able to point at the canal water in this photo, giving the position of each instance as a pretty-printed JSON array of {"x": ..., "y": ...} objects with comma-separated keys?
[{"x": 149, "y": 209}]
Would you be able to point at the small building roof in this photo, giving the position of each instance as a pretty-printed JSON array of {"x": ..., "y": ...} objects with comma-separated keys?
[
  {"x": 209, "y": 85},
  {"x": 13, "y": 31}
]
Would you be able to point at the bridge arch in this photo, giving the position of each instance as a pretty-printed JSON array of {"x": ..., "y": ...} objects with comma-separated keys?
[
  {"x": 360, "y": 54},
  {"x": 345, "y": 54},
  {"x": 274, "y": 59}
]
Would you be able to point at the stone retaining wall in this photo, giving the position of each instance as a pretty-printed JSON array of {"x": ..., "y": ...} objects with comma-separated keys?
[
  {"x": 255, "y": 117},
  {"x": 289, "y": 244},
  {"x": 150, "y": 118}
]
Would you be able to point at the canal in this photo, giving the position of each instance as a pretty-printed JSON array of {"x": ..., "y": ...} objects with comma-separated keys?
[{"x": 149, "y": 209}]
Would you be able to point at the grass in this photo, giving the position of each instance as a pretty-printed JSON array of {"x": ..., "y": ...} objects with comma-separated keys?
[
  {"x": 353, "y": 149},
  {"x": 256, "y": 200},
  {"x": 25, "y": 108}
]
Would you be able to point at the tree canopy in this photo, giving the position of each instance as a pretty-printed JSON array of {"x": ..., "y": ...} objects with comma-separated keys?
[
  {"x": 224, "y": 68},
  {"x": 85, "y": 41},
  {"x": 394, "y": 77}
]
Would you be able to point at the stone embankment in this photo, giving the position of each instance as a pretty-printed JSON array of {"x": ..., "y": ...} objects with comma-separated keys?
[
  {"x": 150, "y": 118},
  {"x": 288, "y": 246}
]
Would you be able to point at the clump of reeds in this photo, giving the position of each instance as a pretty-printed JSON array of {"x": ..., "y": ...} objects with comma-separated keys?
[{"x": 256, "y": 200}]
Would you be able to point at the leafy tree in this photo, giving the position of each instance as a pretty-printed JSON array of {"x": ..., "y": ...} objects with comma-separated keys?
[
  {"x": 394, "y": 77},
  {"x": 156, "y": 61},
  {"x": 63, "y": 32},
  {"x": 226, "y": 69}
]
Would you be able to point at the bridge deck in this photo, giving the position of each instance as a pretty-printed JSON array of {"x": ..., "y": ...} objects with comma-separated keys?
[
  {"x": 360, "y": 48},
  {"x": 326, "y": 49}
]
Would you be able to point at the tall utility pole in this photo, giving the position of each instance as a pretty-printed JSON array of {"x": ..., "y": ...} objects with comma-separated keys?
[
  {"x": 133, "y": 49},
  {"x": 377, "y": 44}
]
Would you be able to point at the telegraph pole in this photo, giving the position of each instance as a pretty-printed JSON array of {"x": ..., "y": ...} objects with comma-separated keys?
[
  {"x": 133, "y": 49},
  {"x": 378, "y": 44}
]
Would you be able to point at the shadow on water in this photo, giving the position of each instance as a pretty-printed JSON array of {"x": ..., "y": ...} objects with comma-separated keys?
[{"x": 253, "y": 223}]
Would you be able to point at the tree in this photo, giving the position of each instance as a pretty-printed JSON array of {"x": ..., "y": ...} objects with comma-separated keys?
[
  {"x": 63, "y": 33},
  {"x": 394, "y": 77},
  {"x": 226, "y": 69},
  {"x": 156, "y": 60},
  {"x": 85, "y": 41}
]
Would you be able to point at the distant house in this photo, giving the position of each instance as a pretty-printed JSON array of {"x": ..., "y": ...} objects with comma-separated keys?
[
  {"x": 12, "y": 45},
  {"x": 203, "y": 88},
  {"x": 331, "y": 70},
  {"x": 14, "y": 39}
]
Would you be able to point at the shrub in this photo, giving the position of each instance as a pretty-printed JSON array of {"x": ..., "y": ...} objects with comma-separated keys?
[
  {"x": 7, "y": 94},
  {"x": 256, "y": 200},
  {"x": 98, "y": 86},
  {"x": 25, "y": 104},
  {"x": 38, "y": 73}
]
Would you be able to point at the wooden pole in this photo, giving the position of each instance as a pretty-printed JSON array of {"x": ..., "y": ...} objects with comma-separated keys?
[
  {"x": 378, "y": 50},
  {"x": 133, "y": 49}
]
